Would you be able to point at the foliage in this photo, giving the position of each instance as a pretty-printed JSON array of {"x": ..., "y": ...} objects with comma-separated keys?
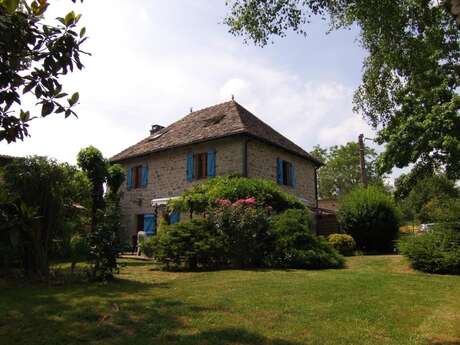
[
  {"x": 104, "y": 245},
  {"x": 341, "y": 172},
  {"x": 409, "y": 89},
  {"x": 91, "y": 161},
  {"x": 203, "y": 195},
  {"x": 33, "y": 56},
  {"x": 440, "y": 211},
  {"x": 191, "y": 244},
  {"x": 427, "y": 194},
  {"x": 148, "y": 246},
  {"x": 370, "y": 216},
  {"x": 244, "y": 225},
  {"x": 295, "y": 246},
  {"x": 79, "y": 249},
  {"x": 115, "y": 178},
  {"x": 435, "y": 251},
  {"x": 40, "y": 198},
  {"x": 343, "y": 243}
]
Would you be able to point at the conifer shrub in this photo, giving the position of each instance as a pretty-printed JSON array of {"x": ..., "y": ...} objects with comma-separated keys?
[
  {"x": 295, "y": 245},
  {"x": 370, "y": 216},
  {"x": 435, "y": 251}
]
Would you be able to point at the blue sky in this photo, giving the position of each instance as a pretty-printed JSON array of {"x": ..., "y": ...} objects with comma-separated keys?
[{"x": 153, "y": 60}]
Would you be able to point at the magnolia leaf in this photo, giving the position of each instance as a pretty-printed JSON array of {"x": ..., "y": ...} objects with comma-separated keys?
[
  {"x": 10, "y": 5},
  {"x": 74, "y": 99},
  {"x": 47, "y": 108}
]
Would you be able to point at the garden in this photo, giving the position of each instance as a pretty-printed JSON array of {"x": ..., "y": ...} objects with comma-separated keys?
[{"x": 245, "y": 266}]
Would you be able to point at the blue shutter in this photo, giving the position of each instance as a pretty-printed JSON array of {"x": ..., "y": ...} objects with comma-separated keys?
[
  {"x": 293, "y": 174},
  {"x": 145, "y": 175},
  {"x": 211, "y": 163},
  {"x": 190, "y": 167},
  {"x": 150, "y": 224},
  {"x": 129, "y": 180},
  {"x": 279, "y": 171},
  {"x": 174, "y": 217}
]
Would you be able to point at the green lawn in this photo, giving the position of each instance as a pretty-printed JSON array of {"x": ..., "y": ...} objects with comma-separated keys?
[{"x": 376, "y": 300}]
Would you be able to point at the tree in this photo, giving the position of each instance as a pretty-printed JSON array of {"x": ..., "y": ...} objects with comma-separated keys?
[
  {"x": 341, "y": 172},
  {"x": 409, "y": 90},
  {"x": 39, "y": 194},
  {"x": 91, "y": 161},
  {"x": 425, "y": 195},
  {"x": 33, "y": 55}
]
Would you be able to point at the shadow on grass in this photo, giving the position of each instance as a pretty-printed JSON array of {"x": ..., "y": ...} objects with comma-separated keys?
[{"x": 119, "y": 312}]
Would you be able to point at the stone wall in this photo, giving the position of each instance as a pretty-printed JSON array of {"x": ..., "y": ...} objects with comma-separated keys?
[
  {"x": 167, "y": 175},
  {"x": 262, "y": 163}
]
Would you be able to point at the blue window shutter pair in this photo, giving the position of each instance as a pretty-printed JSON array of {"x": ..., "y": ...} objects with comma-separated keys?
[
  {"x": 211, "y": 163},
  {"x": 150, "y": 226},
  {"x": 293, "y": 174},
  {"x": 129, "y": 179},
  {"x": 279, "y": 171},
  {"x": 189, "y": 167},
  {"x": 145, "y": 175},
  {"x": 174, "y": 217}
]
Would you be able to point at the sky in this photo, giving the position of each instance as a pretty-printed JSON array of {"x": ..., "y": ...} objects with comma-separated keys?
[{"x": 153, "y": 60}]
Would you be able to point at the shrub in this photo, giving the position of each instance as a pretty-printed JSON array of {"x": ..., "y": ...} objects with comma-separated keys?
[
  {"x": 435, "y": 251},
  {"x": 191, "y": 245},
  {"x": 370, "y": 216},
  {"x": 148, "y": 246},
  {"x": 266, "y": 192},
  {"x": 79, "y": 250},
  {"x": 295, "y": 246},
  {"x": 343, "y": 243},
  {"x": 244, "y": 226}
]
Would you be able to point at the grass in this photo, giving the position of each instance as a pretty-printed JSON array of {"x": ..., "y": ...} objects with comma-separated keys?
[{"x": 376, "y": 300}]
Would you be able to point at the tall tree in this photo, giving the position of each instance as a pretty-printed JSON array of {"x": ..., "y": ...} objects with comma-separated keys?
[
  {"x": 409, "y": 90},
  {"x": 91, "y": 161},
  {"x": 33, "y": 56},
  {"x": 341, "y": 172}
]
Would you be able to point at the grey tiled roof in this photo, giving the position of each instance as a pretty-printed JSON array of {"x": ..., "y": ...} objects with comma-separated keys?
[{"x": 221, "y": 120}]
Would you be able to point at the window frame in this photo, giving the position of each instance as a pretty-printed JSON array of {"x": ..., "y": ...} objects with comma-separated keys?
[
  {"x": 200, "y": 165},
  {"x": 137, "y": 176},
  {"x": 287, "y": 167}
]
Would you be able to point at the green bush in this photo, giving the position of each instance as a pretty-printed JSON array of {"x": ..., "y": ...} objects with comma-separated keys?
[
  {"x": 295, "y": 246},
  {"x": 79, "y": 248},
  {"x": 191, "y": 245},
  {"x": 435, "y": 251},
  {"x": 232, "y": 188},
  {"x": 370, "y": 216},
  {"x": 343, "y": 243},
  {"x": 244, "y": 228},
  {"x": 148, "y": 246}
]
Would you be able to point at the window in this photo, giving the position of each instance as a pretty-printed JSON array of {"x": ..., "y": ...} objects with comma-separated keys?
[
  {"x": 285, "y": 173},
  {"x": 200, "y": 165},
  {"x": 137, "y": 175}
]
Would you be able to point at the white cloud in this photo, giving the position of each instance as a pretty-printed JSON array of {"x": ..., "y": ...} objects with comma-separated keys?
[{"x": 152, "y": 62}]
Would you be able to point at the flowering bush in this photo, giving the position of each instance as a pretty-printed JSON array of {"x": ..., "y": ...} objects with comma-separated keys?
[
  {"x": 245, "y": 227},
  {"x": 235, "y": 190}
]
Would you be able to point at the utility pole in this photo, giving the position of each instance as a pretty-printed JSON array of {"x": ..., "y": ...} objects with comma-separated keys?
[{"x": 362, "y": 161}]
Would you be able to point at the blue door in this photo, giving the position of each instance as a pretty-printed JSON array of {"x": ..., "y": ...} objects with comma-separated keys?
[{"x": 150, "y": 225}]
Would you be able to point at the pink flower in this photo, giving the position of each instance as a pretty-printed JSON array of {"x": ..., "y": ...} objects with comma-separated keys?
[
  {"x": 250, "y": 201},
  {"x": 223, "y": 202}
]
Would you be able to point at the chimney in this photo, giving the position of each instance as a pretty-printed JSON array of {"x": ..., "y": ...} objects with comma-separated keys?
[{"x": 155, "y": 129}]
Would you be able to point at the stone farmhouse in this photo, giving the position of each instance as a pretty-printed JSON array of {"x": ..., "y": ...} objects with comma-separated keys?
[{"x": 225, "y": 139}]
